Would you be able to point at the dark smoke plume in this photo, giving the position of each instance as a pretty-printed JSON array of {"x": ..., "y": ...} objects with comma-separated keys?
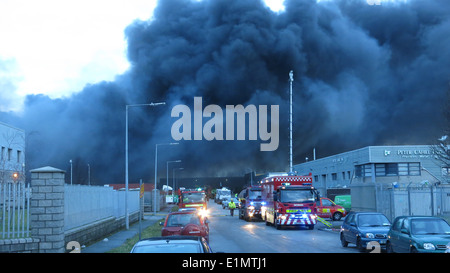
[{"x": 364, "y": 75}]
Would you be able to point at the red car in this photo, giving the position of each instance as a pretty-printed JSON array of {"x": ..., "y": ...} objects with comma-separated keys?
[
  {"x": 328, "y": 209},
  {"x": 186, "y": 223}
]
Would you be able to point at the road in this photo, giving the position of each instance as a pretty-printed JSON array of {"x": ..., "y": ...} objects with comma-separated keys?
[{"x": 232, "y": 235}]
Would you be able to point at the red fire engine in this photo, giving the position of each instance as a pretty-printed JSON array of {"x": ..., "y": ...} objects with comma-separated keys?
[
  {"x": 289, "y": 201},
  {"x": 192, "y": 198}
]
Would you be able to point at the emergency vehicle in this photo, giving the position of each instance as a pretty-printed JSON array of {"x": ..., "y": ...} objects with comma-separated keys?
[
  {"x": 328, "y": 209},
  {"x": 192, "y": 198},
  {"x": 289, "y": 201},
  {"x": 251, "y": 203}
]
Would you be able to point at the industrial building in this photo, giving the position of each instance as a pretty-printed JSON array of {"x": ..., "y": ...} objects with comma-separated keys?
[
  {"x": 12, "y": 153},
  {"x": 364, "y": 172}
]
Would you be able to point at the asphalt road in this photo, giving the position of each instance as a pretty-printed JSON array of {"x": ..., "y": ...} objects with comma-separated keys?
[{"x": 233, "y": 235}]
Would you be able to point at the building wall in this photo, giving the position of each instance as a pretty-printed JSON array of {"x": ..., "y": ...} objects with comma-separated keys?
[
  {"x": 12, "y": 152},
  {"x": 416, "y": 166},
  {"x": 339, "y": 170}
]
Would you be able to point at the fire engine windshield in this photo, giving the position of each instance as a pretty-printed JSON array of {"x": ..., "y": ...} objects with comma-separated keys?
[
  {"x": 297, "y": 196},
  {"x": 254, "y": 194},
  {"x": 193, "y": 197}
]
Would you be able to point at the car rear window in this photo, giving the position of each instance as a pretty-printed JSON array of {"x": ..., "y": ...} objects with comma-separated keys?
[
  {"x": 168, "y": 248},
  {"x": 178, "y": 220}
]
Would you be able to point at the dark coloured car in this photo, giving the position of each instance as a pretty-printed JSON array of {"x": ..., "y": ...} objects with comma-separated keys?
[
  {"x": 172, "y": 244},
  {"x": 419, "y": 234},
  {"x": 186, "y": 223},
  {"x": 360, "y": 228}
]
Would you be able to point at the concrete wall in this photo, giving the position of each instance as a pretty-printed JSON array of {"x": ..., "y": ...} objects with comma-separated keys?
[{"x": 60, "y": 213}]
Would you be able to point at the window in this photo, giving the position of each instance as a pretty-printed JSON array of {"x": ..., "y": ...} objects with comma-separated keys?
[
  {"x": 334, "y": 176},
  {"x": 414, "y": 168},
  {"x": 343, "y": 175},
  {"x": 398, "y": 224},
  {"x": 367, "y": 170},
  {"x": 316, "y": 178},
  {"x": 402, "y": 168},
  {"x": 358, "y": 171},
  {"x": 9, "y": 154},
  {"x": 326, "y": 202},
  {"x": 2, "y": 156},
  {"x": 380, "y": 169},
  {"x": 363, "y": 170},
  {"x": 391, "y": 169},
  {"x": 19, "y": 153}
]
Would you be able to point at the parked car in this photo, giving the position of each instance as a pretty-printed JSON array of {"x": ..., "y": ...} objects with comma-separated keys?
[
  {"x": 359, "y": 228},
  {"x": 185, "y": 223},
  {"x": 328, "y": 209},
  {"x": 419, "y": 234},
  {"x": 172, "y": 244}
]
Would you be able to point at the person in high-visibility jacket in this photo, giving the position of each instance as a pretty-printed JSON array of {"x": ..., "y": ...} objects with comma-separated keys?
[{"x": 231, "y": 206}]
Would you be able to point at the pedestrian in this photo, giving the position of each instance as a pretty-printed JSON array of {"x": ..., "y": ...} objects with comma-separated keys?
[{"x": 231, "y": 206}]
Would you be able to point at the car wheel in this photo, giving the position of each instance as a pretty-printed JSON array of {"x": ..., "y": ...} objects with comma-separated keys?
[
  {"x": 389, "y": 248},
  {"x": 337, "y": 216},
  {"x": 359, "y": 245},
  {"x": 413, "y": 250},
  {"x": 344, "y": 243}
]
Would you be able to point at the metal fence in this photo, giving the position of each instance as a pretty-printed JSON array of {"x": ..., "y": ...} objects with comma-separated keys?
[
  {"x": 423, "y": 200},
  {"x": 14, "y": 210}
]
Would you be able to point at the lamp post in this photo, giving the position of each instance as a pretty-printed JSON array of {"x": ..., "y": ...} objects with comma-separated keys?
[
  {"x": 127, "y": 222},
  {"x": 291, "y": 79},
  {"x": 71, "y": 172},
  {"x": 167, "y": 175},
  {"x": 173, "y": 176},
  {"x": 156, "y": 172}
]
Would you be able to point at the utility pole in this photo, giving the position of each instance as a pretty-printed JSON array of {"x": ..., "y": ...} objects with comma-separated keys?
[{"x": 291, "y": 79}]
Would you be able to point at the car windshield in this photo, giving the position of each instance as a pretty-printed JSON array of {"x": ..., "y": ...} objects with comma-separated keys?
[
  {"x": 193, "y": 197},
  {"x": 168, "y": 248},
  {"x": 297, "y": 196},
  {"x": 254, "y": 194},
  {"x": 179, "y": 220},
  {"x": 373, "y": 220},
  {"x": 429, "y": 226}
]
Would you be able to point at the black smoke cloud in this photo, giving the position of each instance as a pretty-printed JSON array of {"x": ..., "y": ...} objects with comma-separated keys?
[{"x": 364, "y": 75}]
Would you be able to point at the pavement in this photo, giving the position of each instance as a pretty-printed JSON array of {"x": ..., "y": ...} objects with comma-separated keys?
[{"x": 117, "y": 239}]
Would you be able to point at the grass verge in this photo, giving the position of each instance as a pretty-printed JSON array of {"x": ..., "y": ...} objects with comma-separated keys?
[{"x": 152, "y": 231}]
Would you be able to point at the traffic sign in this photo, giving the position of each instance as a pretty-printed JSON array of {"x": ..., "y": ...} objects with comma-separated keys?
[{"x": 141, "y": 192}]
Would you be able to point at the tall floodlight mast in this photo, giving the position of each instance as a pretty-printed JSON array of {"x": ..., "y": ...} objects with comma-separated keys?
[{"x": 291, "y": 79}]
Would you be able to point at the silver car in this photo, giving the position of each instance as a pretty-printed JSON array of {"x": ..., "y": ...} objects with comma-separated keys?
[{"x": 172, "y": 244}]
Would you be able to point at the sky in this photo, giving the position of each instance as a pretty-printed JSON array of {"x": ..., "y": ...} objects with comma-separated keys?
[{"x": 56, "y": 47}]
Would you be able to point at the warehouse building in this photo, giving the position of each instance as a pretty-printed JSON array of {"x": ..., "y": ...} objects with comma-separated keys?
[{"x": 360, "y": 172}]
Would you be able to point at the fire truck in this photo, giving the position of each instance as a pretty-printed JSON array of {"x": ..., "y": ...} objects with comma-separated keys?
[
  {"x": 289, "y": 201},
  {"x": 251, "y": 201},
  {"x": 192, "y": 198}
]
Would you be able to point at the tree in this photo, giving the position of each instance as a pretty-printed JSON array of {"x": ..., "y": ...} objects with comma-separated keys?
[{"x": 441, "y": 149}]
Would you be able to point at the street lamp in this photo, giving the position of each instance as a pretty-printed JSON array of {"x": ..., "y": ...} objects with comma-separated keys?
[
  {"x": 175, "y": 161},
  {"x": 173, "y": 176},
  {"x": 71, "y": 172},
  {"x": 156, "y": 172},
  {"x": 291, "y": 79},
  {"x": 127, "y": 222}
]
